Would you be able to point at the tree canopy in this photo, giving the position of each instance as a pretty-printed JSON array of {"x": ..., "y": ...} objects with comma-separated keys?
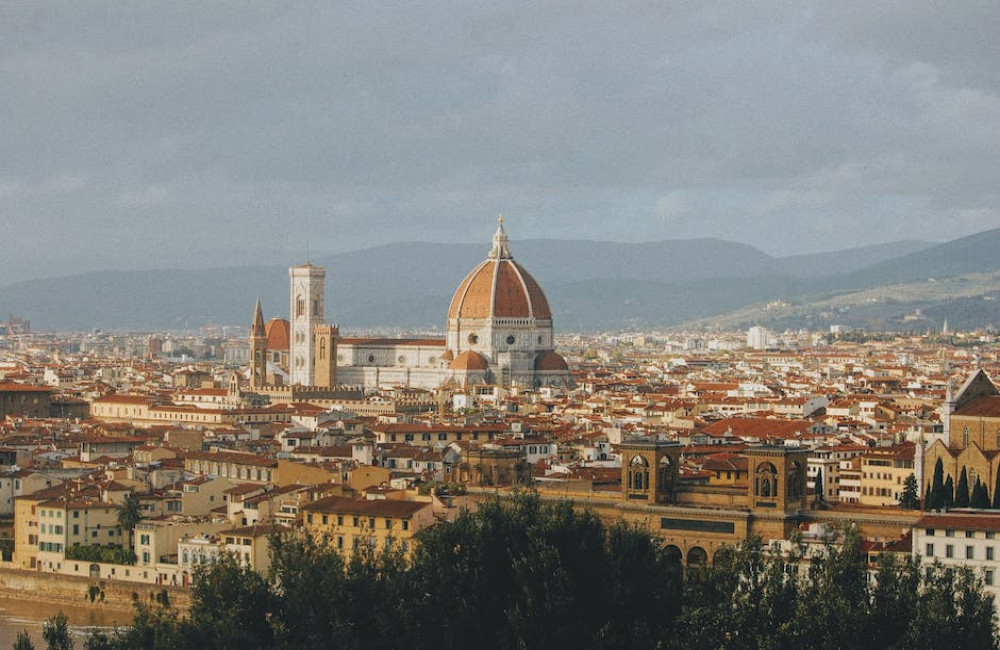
[{"x": 528, "y": 573}]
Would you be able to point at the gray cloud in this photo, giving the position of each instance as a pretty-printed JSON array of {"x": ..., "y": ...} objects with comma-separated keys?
[{"x": 201, "y": 134}]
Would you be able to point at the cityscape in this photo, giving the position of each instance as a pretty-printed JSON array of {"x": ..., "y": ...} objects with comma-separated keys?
[{"x": 276, "y": 372}]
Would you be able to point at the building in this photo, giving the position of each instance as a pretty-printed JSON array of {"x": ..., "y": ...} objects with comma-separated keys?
[
  {"x": 307, "y": 305},
  {"x": 962, "y": 539},
  {"x": 499, "y": 331},
  {"x": 348, "y": 523}
]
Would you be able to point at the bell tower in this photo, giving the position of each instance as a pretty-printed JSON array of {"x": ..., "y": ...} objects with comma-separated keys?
[
  {"x": 306, "y": 295},
  {"x": 649, "y": 470},
  {"x": 258, "y": 349}
]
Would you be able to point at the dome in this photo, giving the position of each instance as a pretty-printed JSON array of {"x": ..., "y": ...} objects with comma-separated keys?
[
  {"x": 277, "y": 334},
  {"x": 448, "y": 355},
  {"x": 551, "y": 361},
  {"x": 499, "y": 287},
  {"x": 469, "y": 360}
]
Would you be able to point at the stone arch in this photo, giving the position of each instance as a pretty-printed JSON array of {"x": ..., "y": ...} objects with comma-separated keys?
[
  {"x": 697, "y": 556},
  {"x": 638, "y": 474},
  {"x": 766, "y": 480},
  {"x": 794, "y": 479},
  {"x": 673, "y": 552}
]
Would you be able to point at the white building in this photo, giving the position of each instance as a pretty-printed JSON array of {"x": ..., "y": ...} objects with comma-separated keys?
[
  {"x": 962, "y": 539},
  {"x": 306, "y": 311}
]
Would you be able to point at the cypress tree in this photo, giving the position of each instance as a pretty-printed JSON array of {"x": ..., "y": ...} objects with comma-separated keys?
[
  {"x": 935, "y": 499},
  {"x": 948, "y": 498},
  {"x": 818, "y": 485},
  {"x": 980, "y": 495},
  {"x": 996, "y": 494},
  {"x": 962, "y": 490}
]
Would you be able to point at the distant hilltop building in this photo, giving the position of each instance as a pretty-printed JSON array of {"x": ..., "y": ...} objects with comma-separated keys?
[{"x": 499, "y": 332}]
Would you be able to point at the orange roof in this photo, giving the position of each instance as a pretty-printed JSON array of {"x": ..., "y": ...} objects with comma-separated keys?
[
  {"x": 277, "y": 334},
  {"x": 550, "y": 361},
  {"x": 499, "y": 288},
  {"x": 469, "y": 360}
]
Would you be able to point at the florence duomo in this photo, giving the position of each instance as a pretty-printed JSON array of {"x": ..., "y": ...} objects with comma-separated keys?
[{"x": 499, "y": 331}]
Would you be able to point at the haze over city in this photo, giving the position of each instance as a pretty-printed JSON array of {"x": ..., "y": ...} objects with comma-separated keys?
[{"x": 195, "y": 135}]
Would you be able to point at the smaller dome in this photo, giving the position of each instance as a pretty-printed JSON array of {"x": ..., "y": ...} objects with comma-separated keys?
[
  {"x": 469, "y": 360},
  {"x": 277, "y": 330},
  {"x": 447, "y": 356},
  {"x": 551, "y": 361}
]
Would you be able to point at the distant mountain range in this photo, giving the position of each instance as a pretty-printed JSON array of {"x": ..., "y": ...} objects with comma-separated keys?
[{"x": 592, "y": 286}]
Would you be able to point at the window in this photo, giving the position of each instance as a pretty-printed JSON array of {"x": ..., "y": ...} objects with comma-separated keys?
[
  {"x": 930, "y": 551},
  {"x": 930, "y": 532},
  {"x": 406, "y": 524},
  {"x": 949, "y": 533},
  {"x": 988, "y": 578},
  {"x": 949, "y": 551},
  {"x": 990, "y": 534},
  {"x": 325, "y": 520},
  {"x": 371, "y": 522},
  {"x": 969, "y": 534},
  {"x": 340, "y": 520},
  {"x": 968, "y": 553},
  {"x": 989, "y": 552}
]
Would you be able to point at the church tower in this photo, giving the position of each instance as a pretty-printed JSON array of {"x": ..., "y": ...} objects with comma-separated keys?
[
  {"x": 306, "y": 294},
  {"x": 258, "y": 350}
]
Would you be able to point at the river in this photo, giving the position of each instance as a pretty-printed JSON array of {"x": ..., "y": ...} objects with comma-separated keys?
[{"x": 27, "y": 614}]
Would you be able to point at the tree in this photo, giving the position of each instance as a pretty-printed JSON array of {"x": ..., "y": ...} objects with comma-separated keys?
[
  {"x": 129, "y": 515},
  {"x": 55, "y": 631},
  {"x": 910, "y": 499},
  {"x": 935, "y": 498},
  {"x": 818, "y": 485},
  {"x": 962, "y": 490},
  {"x": 948, "y": 493},
  {"x": 980, "y": 495},
  {"x": 996, "y": 494},
  {"x": 23, "y": 641}
]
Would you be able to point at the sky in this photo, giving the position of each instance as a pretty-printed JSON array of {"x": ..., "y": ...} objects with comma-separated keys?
[{"x": 192, "y": 134}]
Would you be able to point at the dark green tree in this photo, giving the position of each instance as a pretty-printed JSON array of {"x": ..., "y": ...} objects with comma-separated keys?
[
  {"x": 996, "y": 494},
  {"x": 818, "y": 485},
  {"x": 980, "y": 495},
  {"x": 910, "y": 498},
  {"x": 129, "y": 515},
  {"x": 962, "y": 490},
  {"x": 55, "y": 631},
  {"x": 23, "y": 641},
  {"x": 935, "y": 497},
  {"x": 948, "y": 493}
]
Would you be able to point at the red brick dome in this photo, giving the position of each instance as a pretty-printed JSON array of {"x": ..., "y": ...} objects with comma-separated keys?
[
  {"x": 499, "y": 287},
  {"x": 551, "y": 361},
  {"x": 469, "y": 360}
]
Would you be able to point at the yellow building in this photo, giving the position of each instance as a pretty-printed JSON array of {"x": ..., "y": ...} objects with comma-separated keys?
[
  {"x": 348, "y": 523},
  {"x": 884, "y": 471}
]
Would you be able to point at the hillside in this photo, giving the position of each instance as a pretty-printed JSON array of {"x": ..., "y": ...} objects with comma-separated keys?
[{"x": 591, "y": 285}]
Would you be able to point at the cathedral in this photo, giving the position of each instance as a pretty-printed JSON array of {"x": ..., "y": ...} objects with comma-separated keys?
[{"x": 499, "y": 332}]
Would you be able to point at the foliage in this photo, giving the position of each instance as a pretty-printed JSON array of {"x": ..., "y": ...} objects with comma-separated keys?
[
  {"x": 935, "y": 496},
  {"x": 525, "y": 573},
  {"x": 980, "y": 495},
  {"x": 55, "y": 631},
  {"x": 129, "y": 514},
  {"x": 111, "y": 554},
  {"x": 996, "y": 495},
  {"x": 818, "y": 485},
  {"x": 948, "y": 493},
  {"x": 910, "y": 498},
  {"x": 23, "y": 641},
  {"x": 962, "y": 490},
  {"x": 825, "y": 599}
]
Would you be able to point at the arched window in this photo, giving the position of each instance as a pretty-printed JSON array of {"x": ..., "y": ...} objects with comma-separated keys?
[
  {"x": 766, "y": 480},
  {"x": 965, "y": 437},
  {"x": 300, "y": 306},
  {"x": 322, "y": 348},
  {"x": 315, "y": 311},
  {"x": 639, "y": 473}
]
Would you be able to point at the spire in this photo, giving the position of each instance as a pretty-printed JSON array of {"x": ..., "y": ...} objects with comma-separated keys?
[
  {"x": 500, "y": 241},
  {"x": 257, "y": 326}
]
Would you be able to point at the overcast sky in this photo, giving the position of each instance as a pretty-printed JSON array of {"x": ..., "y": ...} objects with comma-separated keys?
[{"x": 191, "y": 134}]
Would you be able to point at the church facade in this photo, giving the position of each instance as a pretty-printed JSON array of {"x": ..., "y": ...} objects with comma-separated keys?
[{"x": 499, "y": 332}]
